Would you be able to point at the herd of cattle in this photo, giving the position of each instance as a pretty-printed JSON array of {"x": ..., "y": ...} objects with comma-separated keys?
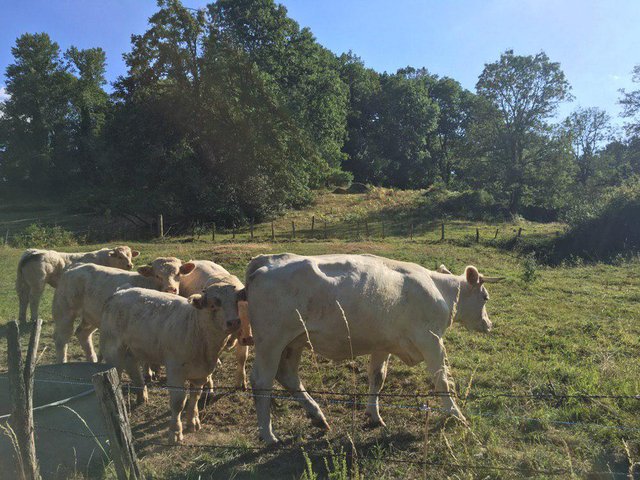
[{"x": 182, "y": 315}]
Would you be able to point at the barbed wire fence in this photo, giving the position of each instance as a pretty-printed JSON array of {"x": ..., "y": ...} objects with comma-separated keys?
[{"x": 419, "y": 402}]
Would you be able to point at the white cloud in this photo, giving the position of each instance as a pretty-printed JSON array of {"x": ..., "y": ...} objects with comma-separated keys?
[
  {"x": 4, "y": 96},
  {"x": 615, "y": 78}
]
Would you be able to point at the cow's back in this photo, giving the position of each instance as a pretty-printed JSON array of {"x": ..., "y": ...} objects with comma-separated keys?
[{"x": 383, "y": 302}]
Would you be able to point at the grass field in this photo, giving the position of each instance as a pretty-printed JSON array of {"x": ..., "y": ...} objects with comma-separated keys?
[{"x": 573, "y": 330}]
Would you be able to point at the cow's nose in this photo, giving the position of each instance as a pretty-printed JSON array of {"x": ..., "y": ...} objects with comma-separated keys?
[
  {"x": 171, "y": 290},
  {"x": 488, "y": 326},
  {"x": 233, "y": 325},
  {"x": 130, "y": 266}
]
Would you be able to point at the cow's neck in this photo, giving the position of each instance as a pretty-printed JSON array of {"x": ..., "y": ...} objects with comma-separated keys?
[{"x": 452, "y": 289}]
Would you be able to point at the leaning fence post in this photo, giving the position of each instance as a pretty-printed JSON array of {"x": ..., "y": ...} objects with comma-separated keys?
[
  {"x": 114, "y": 412},
  {"x": 496, "y": 235},
  {"x": 21, "y": 388},
  {"x": 477, "y": 235},
  {"x": 6, "y": 237},
  {"x": 160, "y": 226},
  {"x": 251, "y": 228},
  {"x": 313, "y": 223},
  {"x": 519, "y": 232},
  {"x": 442, "y": 234}
]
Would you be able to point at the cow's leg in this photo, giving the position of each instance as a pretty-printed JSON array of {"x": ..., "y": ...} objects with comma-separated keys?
[
  {"x": 290, "y": 379},
  {"x": 207, "y": 392},
  {"x": 435, "y": 355},
  {"x": 377, "y": 374},
  {"x": 84, "y": 332},
  {"x": 242, "y": 352},
  {"x": 23, "y": 290},
  {"x": 178, "y": 398},
  {"x": 62, "y": 330},
  {"x": 132, "y": 367},
  {"x": 35, "y": 293},
  {"x": 265, "y": 367},
  {"x": 195, "y": 390}
]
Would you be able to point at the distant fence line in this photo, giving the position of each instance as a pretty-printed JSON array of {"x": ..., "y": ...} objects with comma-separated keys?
[{"x": 312, "y": 229}]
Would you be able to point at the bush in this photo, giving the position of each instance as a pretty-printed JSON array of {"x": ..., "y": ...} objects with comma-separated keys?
[
  {"x": 42, "y": 236},
  {"x": 529, "y": 268},
  {"x": 339, "y": 178},
  {"x": 469, "y": 204},
  {"x": 605, "y": 230}
]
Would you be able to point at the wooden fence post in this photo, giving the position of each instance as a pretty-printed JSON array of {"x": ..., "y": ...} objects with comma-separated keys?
[
  {"x": 519, "y": 232},
  {"x": 21, "y": 388},
  {"x": 496, "y": 235},
  {"x": 442, "y": 234},
  {"x": 366, "y": 229},
  {"x": 411, "y": 231},
  {"x": 477, "y": 235},
  {"x": 233, "y": 231},
  {"x": 273, "y": 232},
  {"x": 251, "y": 228},
  {"x": 358, "y": 230},
  {"x": 293, "y": 229},
  {"x": 114, "y": 412},
  {"x": 213, "y": 232},
  {"x": 6, "y": 237},
  {"x": 325, "y": 229},
  {"x": 313, "y": 223},
  {"x": 160, "y": 226},
  {"x": 383, "y": 232}
]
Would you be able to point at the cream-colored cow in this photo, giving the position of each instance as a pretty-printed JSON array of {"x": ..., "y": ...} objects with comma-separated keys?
[
  {"x": 141, "y": 326},
  {"x": 354, "y": 305},
  {"x": 82, "y": 291},
  {"x": 207, "y": 273},
  {"x": 37, "y": 268}
]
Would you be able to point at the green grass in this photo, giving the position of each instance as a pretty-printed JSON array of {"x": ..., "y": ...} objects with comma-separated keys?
[{"x": 573, "y": 330}]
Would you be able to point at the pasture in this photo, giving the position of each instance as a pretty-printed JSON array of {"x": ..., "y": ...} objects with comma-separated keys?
[{"x": 573, "y": 330}]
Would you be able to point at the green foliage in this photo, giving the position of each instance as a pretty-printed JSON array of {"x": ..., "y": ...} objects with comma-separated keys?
[
  {"x": 529, "y": 268},
  {"x": 39, "y": 236}
]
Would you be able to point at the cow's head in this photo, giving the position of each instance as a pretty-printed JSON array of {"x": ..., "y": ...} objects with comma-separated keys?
[
  {"x": 471, "y": 309},
  {"x": 120, "y": 257},
  {"x": 166, "y": 271},
  {"x": 221, "y": 299}
]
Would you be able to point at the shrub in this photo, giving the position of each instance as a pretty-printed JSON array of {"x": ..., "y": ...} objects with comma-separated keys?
[
  {"x": 43, "y": 236},
  {"x": 529, "y": 268}
]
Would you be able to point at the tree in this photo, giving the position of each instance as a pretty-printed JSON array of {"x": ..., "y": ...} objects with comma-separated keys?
[
  {"x": 588, "y": 129},
  {"x": 525, "y": 92},
  {"x": 34, "y": 120},
  {"x": 630, "y": 101},
  {"x": 455, "y": 104}
]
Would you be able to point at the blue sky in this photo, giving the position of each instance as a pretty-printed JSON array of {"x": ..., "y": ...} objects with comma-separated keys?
[{"x": 596, "y": 42}]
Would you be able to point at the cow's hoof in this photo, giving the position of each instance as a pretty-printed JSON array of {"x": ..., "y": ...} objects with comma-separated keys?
[
  {"x": 175, "y": 438},
  {"x": 374, "y": 422},
  {"x": 320, "y": 422},
  {"x": 270, "y": 440},
  {"x": 142, "y": 398},
  {"x": 193, "y": 426}
]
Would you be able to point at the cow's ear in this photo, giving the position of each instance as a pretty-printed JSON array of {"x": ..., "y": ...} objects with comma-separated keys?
[
  {"x": 241, "y": 295},
  {"x": 198, "y": 301},
  {"x": 113, "y": 253},
  {"x": 472, "y": 275},
  {"x": 134, "y": 253},
  {"x": 146, "y": 271},
  {"x": 187, "y": 268}
]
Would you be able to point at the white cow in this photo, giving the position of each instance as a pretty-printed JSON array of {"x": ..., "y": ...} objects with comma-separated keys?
[
  {"x": 82, "y": 291},
  {"x": 204, "y": 274},
  {"x": 145, "y": 327},
  {"x": 37, "y": 268},
  {"x": 390, "y": 307}
]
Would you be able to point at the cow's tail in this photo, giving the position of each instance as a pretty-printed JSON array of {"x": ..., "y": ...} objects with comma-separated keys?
[{"x": 22, "y": 288}]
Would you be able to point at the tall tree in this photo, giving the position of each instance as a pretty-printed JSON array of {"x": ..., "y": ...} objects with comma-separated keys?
[
  {"x": 588, "y": 129},
  {"x": 455, "y": 104},
  {"x": 34, "y": 120},
  {"x": 525, "y": 92},
  {"x": 631, "y": 104}
]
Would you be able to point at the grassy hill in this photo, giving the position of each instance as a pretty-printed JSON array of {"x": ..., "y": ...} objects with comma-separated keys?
[{"x": 571, "y": 330}]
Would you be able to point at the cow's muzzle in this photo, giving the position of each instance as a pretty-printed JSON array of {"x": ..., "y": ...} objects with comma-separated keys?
[{"x": 171, "y": 290}]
